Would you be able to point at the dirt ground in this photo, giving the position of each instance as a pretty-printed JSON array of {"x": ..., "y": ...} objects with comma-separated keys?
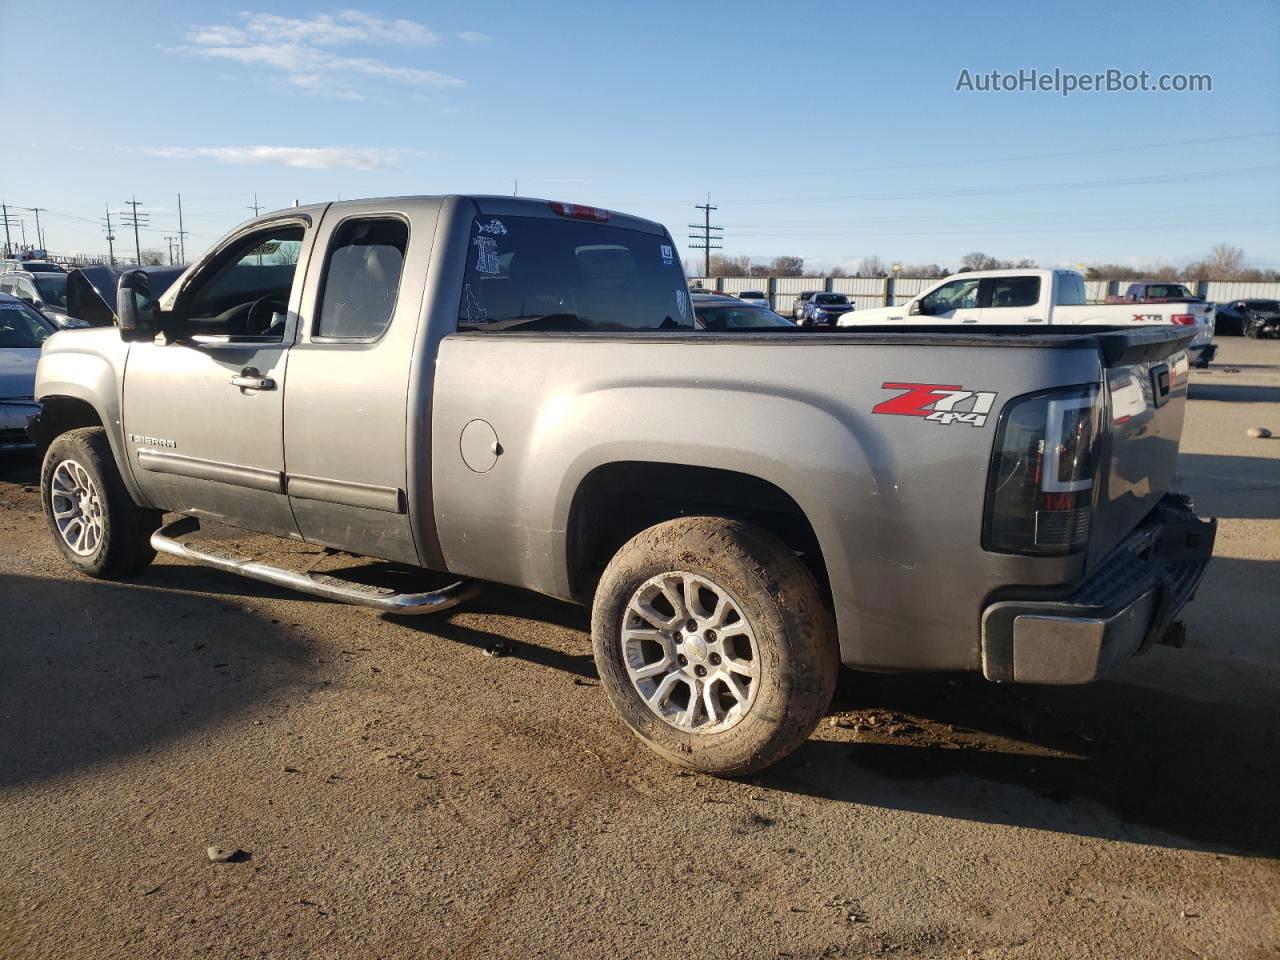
[{"x": 398, "y": 793}]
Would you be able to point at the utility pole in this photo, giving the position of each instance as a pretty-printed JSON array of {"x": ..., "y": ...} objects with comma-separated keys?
[
  {"x": 170, "y": 240},
  {"x": 182, "y": 234},
  {"x": 708, "y": 234},
  {"x": 136, "y": 219},
  {"x": 111, "y": 249},
  {"x": 22, "y": 225},
  {"x": 254, "y": 206},
  {"x": 8, "y": 245},
  {"x": 39, "y": 233}
]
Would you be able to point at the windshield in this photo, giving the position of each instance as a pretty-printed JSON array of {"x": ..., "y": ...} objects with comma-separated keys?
[
  {"x": 832, "y": 299},
  {"x": 53, "y": 288},
  {"x": 752, "y": 294},
  {"x": 1263, "y": 304},
  {"x": 21, "y": 327},
  {"x": 39, "y": 266},
  {"x": 731, "y": 317}
]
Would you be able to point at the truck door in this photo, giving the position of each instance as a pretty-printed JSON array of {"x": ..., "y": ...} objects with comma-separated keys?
[
  {"x": 203, "y": 410},
  {"x": 346, "y": 417},
  {"x": 956, "y": 301},
  {"x": 1013, "y": 300}
]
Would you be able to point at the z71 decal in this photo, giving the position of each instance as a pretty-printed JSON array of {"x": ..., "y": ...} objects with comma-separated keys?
[{"x": 938, "y": 403}]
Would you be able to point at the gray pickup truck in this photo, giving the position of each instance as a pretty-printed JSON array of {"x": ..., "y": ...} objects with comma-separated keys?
[{"x": 514, "y": 390}]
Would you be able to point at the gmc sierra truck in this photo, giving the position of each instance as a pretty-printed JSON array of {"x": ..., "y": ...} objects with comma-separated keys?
[
  {"x": 515, "y": 390},
  {"x": 1047, "y": 297}
]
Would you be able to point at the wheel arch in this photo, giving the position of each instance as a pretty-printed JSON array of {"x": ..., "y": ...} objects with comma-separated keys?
[{"x": 616, "y": 500}]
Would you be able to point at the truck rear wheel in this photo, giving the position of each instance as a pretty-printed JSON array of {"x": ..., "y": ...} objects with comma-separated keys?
[
  {"x": 95, "y": 523},
  {"x": 714, "y": 644}
]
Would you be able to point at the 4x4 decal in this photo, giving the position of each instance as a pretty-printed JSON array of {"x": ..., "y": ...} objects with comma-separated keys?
[{"x": 938, "y": 403}]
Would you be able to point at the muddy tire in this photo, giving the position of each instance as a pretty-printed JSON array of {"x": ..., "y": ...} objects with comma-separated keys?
[
  {"x": 95, "y": 523},
  {"x": 714, "y": 644}
]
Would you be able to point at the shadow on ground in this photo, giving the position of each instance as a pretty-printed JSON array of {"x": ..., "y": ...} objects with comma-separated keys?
[
  {"x": 1157, "y": 760},
  {"x": 91, "y": 671},
  {"x": 1233, "y": 393}
]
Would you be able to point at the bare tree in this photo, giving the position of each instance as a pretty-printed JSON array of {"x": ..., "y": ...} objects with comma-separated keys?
[
  {"x": 788, "y": 266},
  {"x": 871, "y": 267},
  {"x": 730, "y": 266},
  {"x": 153, "y": 258},
  {"x": 922, "y": 270}
]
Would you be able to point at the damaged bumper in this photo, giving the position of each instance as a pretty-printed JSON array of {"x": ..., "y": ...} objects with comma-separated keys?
[{"x": 1121, "y": 610}]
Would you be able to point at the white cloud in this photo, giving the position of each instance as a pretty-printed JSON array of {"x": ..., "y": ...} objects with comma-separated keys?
[
  {"x": 301, "y": 49},
  {"x": 309, "y": 158},
  {"x": 471, "y": 36}
]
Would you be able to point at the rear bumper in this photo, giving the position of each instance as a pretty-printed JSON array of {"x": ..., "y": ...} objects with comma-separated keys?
[
  {"x": 1120, "y": 611},
  {"x": 1203, "y": 355}
]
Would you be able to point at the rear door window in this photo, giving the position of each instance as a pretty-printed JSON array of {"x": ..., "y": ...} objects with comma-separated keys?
[
  {"x": 1071, "y": 292},
  {"x": 362, "y": 278},
  {"x": 1014, "y": 292},
  {"x": 535, "y": 273}
]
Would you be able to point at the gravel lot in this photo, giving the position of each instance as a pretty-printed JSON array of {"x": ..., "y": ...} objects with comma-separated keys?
[{"x": 397, "y": 793}]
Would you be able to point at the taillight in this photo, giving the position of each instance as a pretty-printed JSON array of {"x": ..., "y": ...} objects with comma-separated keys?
[
  {"x": 1184, "y": 319},
  {"x": 1041, "y": 491},
  {"x": 580, "y": 212}
]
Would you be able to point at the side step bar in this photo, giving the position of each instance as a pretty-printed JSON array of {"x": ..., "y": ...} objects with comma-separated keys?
[{"x": 317, "y": 584}]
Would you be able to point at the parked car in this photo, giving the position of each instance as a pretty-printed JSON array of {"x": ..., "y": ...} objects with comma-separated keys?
[
  {"x": 91, "y": 290},
  {"x": 23, "y": 330},
  {"x": 31, "y": 266},
  {"x": 1156, "y": 291},
  {"x": 798, "y": 304},
  {"x": 47, "y": 292},
  {"x": 1048, "y": 297},
  {"x": 513, "y": 390},
  {"x": 757, "y": 297},
  {"x": 728, "y": 314},
  {"x": 824, "y": 309},
  {"x": 1249, "y": 318}
]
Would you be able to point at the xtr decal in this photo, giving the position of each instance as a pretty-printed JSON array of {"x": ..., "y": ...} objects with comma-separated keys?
[{"x": 938, "y": 403}]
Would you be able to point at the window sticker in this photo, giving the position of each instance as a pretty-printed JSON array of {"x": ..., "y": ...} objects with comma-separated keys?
[
  {"x": 682, "y": 304},
  {"x": 495, "y": 227},
  {"x": 486, "y": 255},
  {"x": 668, "y": 255},
  {"x": 10, "y": 306},
  {"x": 473, "y": 310}
]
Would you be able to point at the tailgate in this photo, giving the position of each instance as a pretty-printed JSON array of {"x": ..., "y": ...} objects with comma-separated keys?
[{"x": 1147, "y": 373}]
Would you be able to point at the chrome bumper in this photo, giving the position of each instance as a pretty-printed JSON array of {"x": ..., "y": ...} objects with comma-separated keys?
[{"x": 1121, "y": 610}]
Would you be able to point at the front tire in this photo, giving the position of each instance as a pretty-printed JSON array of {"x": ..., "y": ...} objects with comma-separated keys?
[
  {"x": 96, "y": 525},
  {"x": 714, "y": 644}
]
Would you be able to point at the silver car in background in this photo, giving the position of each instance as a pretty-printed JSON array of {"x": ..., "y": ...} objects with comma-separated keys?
[{"x": 23, "y": 332}]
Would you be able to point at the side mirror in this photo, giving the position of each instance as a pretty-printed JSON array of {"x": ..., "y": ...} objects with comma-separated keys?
[
  {"x": 915, "y": 309},
  {"x": 133, "y": 321}
]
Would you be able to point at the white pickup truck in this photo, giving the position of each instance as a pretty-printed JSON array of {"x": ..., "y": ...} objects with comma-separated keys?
[{"x": 1047, "y": 297}]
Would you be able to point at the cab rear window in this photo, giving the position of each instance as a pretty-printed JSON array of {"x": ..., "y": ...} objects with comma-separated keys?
[{"x": 539, "y": 274}]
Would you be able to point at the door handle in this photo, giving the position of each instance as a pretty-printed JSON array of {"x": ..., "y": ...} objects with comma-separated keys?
[{"x": 250, "y": 379}]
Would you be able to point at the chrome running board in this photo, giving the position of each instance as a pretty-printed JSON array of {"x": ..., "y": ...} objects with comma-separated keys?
[{"x": 323, "y": 585}]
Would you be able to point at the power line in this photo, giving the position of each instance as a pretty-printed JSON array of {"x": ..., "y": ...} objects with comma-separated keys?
[
  {"x": 136, "y": 220},
  {"x": 8, "y": 246},
  {"x": 708, "y": 234},
  {"x": 39, "y": 233},
  {"x": 111, "y": 249},
  {"x": 182, "y": 234},
  {"x": 1017, "y": 188}
]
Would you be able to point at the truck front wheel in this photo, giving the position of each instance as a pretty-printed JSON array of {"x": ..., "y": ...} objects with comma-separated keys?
[
  {"x": 714, "y": 644},
  {"x": 95, "y": 523}
]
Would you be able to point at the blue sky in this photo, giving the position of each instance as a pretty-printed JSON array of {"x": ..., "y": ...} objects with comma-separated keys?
[{"x": 826, "y": 130}]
